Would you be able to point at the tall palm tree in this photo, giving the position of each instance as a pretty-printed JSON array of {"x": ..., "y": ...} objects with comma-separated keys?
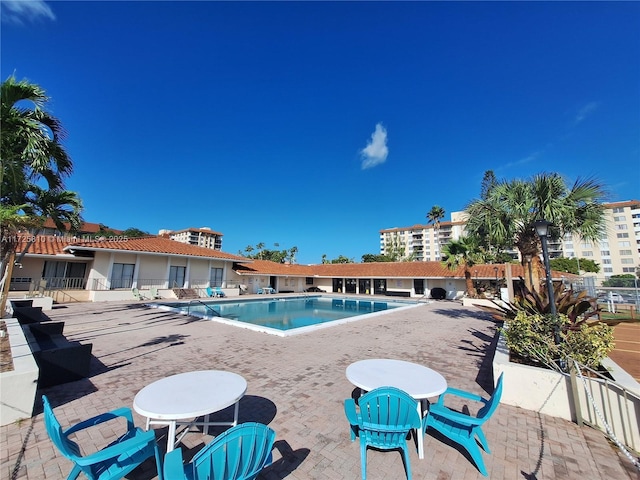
[
  {"x": 434, "y": 216},
  {"x": 33, "y": 167},
  {"x": 508, "y": 213},
  {"x": 463, "y": 252}
]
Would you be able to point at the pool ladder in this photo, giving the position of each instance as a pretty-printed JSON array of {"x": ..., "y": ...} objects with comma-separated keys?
[{"x": 215, "y": 312}]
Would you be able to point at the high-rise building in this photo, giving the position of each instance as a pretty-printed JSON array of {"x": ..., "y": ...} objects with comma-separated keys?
[
  {"x": 617, "y": 252},
  {"x": 202, "y": 237}
]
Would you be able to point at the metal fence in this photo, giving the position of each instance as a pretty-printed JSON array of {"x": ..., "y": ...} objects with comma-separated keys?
[{"x": 607, "y": 405}]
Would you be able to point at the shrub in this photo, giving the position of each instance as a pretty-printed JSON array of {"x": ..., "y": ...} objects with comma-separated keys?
[{"x": 530, "y": 337}]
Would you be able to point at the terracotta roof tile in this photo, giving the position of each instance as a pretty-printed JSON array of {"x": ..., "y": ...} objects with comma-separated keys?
[
  {"x": 380, "y": 270},
  {"x": 50, "y": 245}
]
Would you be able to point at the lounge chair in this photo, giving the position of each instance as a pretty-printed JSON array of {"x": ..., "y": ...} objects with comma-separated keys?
[
  {"x": 219, "y": 293},
  {"x": 136, "y": 294},
  {"x": 210, "y": 292},
  {"x": 153, "y": 293},
  {"x": 387, "y": 415},
  {"x": 115, "y": 460},
  {"x": 240, "y": 453},
  {"x": 464, "y": 429}
]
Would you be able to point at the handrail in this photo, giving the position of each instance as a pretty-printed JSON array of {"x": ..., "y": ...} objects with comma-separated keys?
[
  {"x": 616, "y": 422},
  {"x": 215, "y": 312}
]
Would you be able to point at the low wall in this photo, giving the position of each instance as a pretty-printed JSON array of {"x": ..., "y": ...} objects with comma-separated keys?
[
  {"x": 549, "y": 392},
  {"x": 18, "y": 392}
]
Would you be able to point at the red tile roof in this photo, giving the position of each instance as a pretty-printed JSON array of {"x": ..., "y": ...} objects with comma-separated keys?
[
  {"x": 86, "y": 227},
  {"x": 628, "y": 203},
  {"x": 50, "y": 245},
  {"x": 381, "y": 270}
]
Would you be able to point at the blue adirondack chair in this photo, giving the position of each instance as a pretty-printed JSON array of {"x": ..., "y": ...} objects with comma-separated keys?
[
  {"x": 210, "y": 292},
  {"x": 240, "y": 453},
  {"x": 386, "y": 416},
  {"x": 463, "y": 429},
  {"x": 112, "y": 462},
  {"x": 219, "y": 293}
]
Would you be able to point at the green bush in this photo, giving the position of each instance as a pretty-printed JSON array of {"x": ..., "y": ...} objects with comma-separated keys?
[{"x": 530, "y": 337}]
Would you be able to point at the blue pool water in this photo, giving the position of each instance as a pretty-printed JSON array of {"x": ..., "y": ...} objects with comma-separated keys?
[{"x": 285, "y": 314}]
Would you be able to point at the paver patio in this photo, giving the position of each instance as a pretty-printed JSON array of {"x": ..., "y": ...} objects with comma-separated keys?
[{"x": 297, "y": 385}]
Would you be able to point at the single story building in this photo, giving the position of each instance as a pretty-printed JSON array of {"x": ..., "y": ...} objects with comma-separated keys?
[{"x": 70, "y": 268}]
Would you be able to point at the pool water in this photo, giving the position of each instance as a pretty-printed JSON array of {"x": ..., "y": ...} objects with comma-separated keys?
[{"x": 285, "y": 314}]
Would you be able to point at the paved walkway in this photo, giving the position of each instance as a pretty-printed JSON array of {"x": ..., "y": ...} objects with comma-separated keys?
[{"x": 297, "y": 385}]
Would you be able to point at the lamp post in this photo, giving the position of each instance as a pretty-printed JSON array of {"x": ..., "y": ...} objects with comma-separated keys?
[{"x": 542, "y": 229}]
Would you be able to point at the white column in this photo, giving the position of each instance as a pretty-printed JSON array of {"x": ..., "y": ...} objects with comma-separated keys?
[
  {"x": 109, "y": 272},
  {"x": 187, "y": 274},
  {"x": 136, "y": 269},
  {"x": 167, "y": 272}
]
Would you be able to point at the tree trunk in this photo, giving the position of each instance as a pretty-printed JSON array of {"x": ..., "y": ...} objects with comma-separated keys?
[
  {"x": 471, "y": 291},
  {"x": 7, "y": 284}
]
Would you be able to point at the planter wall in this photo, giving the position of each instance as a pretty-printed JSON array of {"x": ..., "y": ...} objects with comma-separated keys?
[
  {"x": 549, "y": 392},
  {"x": 18, "y": 387}
]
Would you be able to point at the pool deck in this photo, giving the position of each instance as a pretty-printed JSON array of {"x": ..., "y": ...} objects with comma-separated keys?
[{"x": 297, "y": 385}]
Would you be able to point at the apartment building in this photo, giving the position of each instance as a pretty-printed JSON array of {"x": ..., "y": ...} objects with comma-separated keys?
[
  {"x": 423, "y": 242},
  {"x": 617, "y": 252},
  {"x": 202, "y": 237}
]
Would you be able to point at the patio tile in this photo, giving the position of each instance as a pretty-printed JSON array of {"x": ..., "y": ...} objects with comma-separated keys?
[{"x": 297, "y": 385}]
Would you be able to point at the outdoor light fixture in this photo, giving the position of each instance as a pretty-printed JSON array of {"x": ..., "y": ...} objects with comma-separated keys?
[{"x": 542, "y": 229}]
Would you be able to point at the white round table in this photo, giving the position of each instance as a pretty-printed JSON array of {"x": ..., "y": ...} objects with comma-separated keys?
[
  {"x": 418, "y": 381},
  {"x": 188, "y": 396}
]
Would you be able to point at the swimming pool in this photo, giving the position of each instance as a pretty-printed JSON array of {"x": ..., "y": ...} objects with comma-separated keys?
[{"x": 286, "y": 316}]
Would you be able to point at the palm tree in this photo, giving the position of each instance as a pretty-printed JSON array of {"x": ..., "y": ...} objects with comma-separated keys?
[
  {"x": 434, "y": 216},
  {"x": 34, "y": 165},
  {"x": 507, "y": 215},
  {"x": 463, "y": 252},
  {"x": 260, "y": 247}
]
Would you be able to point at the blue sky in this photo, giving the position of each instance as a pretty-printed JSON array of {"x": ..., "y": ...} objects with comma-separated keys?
[{"x": 317, "y": 124}]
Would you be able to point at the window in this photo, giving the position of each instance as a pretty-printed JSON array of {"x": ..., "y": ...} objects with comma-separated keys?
[
  {"x": 308, "y": 281},
  {"x": 586, "y": 254},
  {"x": 626, "y": 261},
  {"x": 606, "y": 270},
  {"x": 618, "y": 210},
  {"x": 606, "y": 261},
  {"x": 625, "y": 252},
  {"x": 622, "y": 235},
  {"x": 568, "y": 245},
  {"x": 629, "y": 269},
  {"x": 176, "y": 277},
  {"x": 621, "y": 227},
  {"x": 605, "y": 253},
  {"x": 620, "y": 218},
  {"x": 624, "y": 244},
  {"x": 122, "y": 275},
  {"x": 215, "y": 277}
]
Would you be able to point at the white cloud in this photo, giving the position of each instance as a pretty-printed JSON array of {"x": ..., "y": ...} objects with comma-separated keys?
[
  {"x": 21, "y": 11},
  {"x": 376, "y": 150},
  {"x": 585, "y": 111}
]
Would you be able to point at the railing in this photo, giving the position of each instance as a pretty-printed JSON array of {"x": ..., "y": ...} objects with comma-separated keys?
[
  {"x": 60, "y": 296},
  {"x": 605, "y": 404},
  {"x": 208, "y": 307}
]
